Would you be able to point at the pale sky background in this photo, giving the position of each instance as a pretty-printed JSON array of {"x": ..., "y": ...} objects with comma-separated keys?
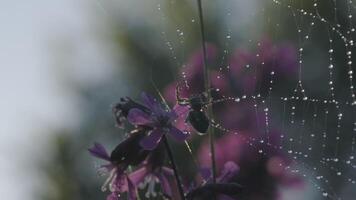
[{"x": 33, "y": 99}]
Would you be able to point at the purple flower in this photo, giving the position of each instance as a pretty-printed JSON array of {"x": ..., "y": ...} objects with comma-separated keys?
[
  {"x": 128, "y": 152},
  {"x": 117, "y": 181},
  {"x": 152, "y": 172},
  {"x": 159, "y": 120},
  {"x": 223, "y": 189}
]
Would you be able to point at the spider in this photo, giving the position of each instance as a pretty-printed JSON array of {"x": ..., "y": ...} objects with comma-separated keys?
[{"x": 196, "y": 116}]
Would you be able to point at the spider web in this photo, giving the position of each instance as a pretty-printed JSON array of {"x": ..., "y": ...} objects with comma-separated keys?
[{"x": 316, "y": 112}]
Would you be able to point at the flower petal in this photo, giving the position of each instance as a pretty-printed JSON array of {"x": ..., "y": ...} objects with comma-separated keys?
[
  {"x": 119, "y": 183},
  {"x": 181, "y": 111},
  {"x": 99, "y": 151},
  {"x": 151, "y": 141},
  {"x": 138, "y": 117},
  {"x": 151, "y": 103},
  {"x": 131, "y": 192},
  {"x": 166, "y": 187},
  {"x": 138, "y": 175},
  {"x": 167, "y": 171},
  {"x": 178, "y": 134}
]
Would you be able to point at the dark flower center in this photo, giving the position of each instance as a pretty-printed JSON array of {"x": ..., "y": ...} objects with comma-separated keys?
[{"x": 163, "y": 121}]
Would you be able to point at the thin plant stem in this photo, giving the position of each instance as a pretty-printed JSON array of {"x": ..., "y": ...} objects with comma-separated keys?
[
  {"x": 207, "y": 86},
  {"x": 168, "y": 148},
  {"x": 171, "y": 158}
]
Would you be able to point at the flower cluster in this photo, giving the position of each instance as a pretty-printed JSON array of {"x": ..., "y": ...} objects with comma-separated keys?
[
  {"x": 245, "y": 173},
  {"x": 142, "y": 149}
]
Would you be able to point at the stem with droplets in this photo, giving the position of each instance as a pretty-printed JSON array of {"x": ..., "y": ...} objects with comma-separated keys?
[
  {"x": 176, "y": 175},
  {"x": 207, "y": 86}
]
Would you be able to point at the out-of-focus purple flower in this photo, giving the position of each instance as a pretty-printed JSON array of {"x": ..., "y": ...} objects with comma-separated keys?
[
  {"x": 240, "y": 116},
  {"x": 126, "y": 153},
  {"x": 244, "y": 71},
  {"x": 251, "y": 70},
  {"x": 159, "y": 120},
  {"x": 282, "y": 57},
  {"x": 223, "y": 189},
  {"x": 152, "y": 172},
  {"x": 247, "y": 70},
  {"x": 260, "y": 174}
]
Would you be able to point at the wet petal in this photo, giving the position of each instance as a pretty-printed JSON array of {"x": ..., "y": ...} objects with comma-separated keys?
[
  {"x": 178, "y": 134},
  {"x": 119, "y": 182},
  {"x": 166, "y": 187},
  {"x": 151, "y": 103},
  {"x": 131, "y": 193},
  {"x": 151, "y": 141},
  {"x": 167, "y": 171},
  {"x": 181, "y": 111},
  {"x": 138, "y": 117},
  {"x": 99, "y": 151},
  {"x": 138, "y": 175}
]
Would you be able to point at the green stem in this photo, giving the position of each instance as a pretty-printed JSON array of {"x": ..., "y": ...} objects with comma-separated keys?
[
  {"x": 207, "y": 87},
  {"x": 170, "y": 156}
]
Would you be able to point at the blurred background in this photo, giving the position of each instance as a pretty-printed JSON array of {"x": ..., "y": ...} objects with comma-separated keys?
[{"x": 65, "y": 63}]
